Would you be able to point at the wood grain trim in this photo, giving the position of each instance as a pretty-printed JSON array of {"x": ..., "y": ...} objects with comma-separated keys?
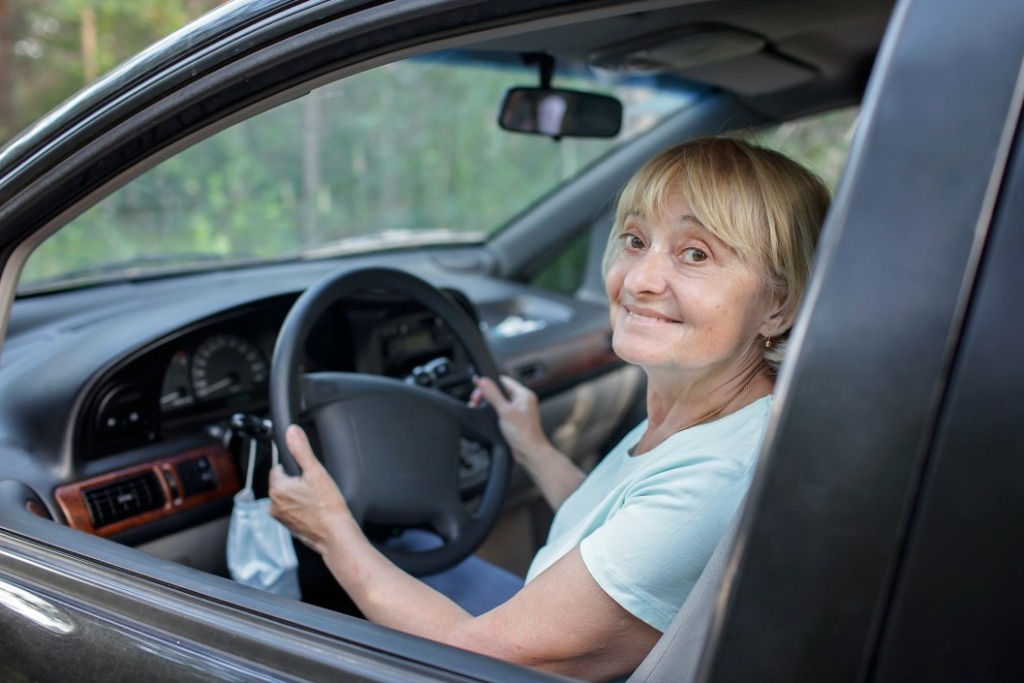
[{"x": 71, "y": 500}]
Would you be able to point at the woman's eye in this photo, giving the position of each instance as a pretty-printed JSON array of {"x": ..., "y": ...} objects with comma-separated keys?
[
  {"x": 633, "y": 242},
  {"x": 695, "y": 255}
]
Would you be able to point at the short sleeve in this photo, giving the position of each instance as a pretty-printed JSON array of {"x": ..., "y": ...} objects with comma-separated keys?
[{"x": 648, "y": 554}]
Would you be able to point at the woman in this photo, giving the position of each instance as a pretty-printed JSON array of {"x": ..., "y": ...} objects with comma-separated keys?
[{"x": 704, "y": 270}]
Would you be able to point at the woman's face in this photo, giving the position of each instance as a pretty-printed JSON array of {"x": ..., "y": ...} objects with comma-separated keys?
[{"x": 682, "y": 300}]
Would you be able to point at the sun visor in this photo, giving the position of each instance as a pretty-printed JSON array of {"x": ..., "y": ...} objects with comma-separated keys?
[
  {"x": 722, "y": 56},
  {"x": 756, "y": 74}
]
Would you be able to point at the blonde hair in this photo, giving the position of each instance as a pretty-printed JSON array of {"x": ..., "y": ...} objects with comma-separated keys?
[{"x": 765, "y": 206}]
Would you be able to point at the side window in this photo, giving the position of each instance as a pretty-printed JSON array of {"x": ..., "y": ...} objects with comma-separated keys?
[
  {"x": 820, "y": 142},
  {"x": 373, "y": 161},
  {"x": 564, "y": 273}
]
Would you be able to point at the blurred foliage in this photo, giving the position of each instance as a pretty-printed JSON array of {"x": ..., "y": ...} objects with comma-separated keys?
[
  {"x": 406, "y": 147},
  {"x": 49, "y": 49},
  {"x": 821, "y": 143},
  {"x": 386, "y": 155}
]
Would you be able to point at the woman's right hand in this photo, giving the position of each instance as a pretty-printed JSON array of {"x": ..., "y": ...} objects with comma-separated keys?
[
  {"x": 518, "y": 415},
  {"x": 309, "y": 504}
]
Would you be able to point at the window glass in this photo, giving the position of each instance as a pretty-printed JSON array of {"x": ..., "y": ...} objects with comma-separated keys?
[
  {"x": 402, "y": 155},
  {"x": 820, "y": 142},
  {"x": 565, "y": 272}
]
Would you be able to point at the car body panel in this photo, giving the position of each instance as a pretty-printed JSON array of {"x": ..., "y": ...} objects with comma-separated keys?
[
  {"x": 106, "y": 611},
  {"x": 963, "y": 556}
]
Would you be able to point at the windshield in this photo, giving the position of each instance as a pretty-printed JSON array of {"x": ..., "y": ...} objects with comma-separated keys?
[{"x": 403, "y": 155}]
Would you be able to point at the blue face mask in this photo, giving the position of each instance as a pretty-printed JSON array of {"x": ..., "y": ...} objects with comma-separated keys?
[{"x": 260, "y": 551}]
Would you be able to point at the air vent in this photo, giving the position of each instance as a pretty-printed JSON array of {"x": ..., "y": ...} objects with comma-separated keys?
[{"x": 123, "y": 499}]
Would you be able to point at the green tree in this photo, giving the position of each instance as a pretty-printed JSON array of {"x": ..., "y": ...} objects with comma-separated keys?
[{"x": 49, "y": 49}]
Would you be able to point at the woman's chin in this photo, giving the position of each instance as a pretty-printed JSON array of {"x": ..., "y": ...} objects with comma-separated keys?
[{"x": 646, "y": 352}]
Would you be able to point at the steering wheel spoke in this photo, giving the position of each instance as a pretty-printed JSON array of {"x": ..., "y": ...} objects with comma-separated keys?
[{"x": 318, "y": 389}]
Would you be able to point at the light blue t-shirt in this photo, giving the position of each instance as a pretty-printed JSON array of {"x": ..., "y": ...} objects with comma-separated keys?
[{"x": 646, "y": 525}]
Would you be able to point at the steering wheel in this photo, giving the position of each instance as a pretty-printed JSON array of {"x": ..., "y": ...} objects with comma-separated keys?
[{"x": 393, "y": 448}]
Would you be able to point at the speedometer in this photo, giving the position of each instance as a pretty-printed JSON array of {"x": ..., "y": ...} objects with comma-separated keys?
[{"x": 225, "y": 365}]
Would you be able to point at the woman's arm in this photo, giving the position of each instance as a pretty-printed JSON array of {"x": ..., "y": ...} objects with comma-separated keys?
[
  {"x": 555, "y": 473},
  {"x": 562, "y": 621}
]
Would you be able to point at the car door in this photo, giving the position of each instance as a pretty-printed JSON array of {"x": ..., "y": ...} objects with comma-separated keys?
[{"x": 84, "y": 609}]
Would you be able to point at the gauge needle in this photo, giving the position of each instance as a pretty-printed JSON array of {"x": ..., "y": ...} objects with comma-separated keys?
[
  {"x": 171, "y": 397},
  {"x": 216, "y": 386}
]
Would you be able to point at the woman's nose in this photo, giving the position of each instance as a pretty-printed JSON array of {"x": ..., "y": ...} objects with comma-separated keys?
[{"x": 648, "y": 274}]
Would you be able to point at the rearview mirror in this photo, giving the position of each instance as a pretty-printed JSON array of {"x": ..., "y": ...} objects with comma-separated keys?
[{"x": 560, "y": 113}]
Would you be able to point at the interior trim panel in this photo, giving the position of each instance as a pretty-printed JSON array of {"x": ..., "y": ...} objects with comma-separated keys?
[{"x": 134, "y": 496}]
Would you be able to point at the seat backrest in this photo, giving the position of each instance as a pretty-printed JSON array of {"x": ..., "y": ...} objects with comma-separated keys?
[{"x": 676, "y": 656}]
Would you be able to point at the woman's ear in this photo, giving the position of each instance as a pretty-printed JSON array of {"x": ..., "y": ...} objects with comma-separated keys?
[{"x": 778, "y": 321}]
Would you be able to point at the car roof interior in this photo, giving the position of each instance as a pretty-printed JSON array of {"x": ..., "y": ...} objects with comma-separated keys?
[{"x": 777, "y": 58}]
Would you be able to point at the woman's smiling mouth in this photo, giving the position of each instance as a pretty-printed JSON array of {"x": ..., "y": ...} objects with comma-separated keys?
[{"x": 647, "y": 315}]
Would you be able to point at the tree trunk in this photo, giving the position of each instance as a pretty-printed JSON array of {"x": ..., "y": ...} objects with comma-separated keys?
[
  {"x": 90, "y": 44},
  {"x": 7, "y": 122},
  {"x": 311, "y": 176}
]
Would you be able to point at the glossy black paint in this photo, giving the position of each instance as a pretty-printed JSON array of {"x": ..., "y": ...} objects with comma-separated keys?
[{"x": 964, "y": 555}]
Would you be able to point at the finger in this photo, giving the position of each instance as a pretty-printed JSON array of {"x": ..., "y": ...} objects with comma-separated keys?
[
  {"x": 277, "y": 476},
  {"x": 513, "y": 387},
  {"x": 301, "y": 450},
  {"x": 282, "y": 488},
  {"x": 489, "y": 390}
]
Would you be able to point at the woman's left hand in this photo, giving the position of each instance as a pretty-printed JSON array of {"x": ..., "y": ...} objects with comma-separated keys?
[
  {"x": 310, "y": 505},
  {"x": 518, "y": 414}
]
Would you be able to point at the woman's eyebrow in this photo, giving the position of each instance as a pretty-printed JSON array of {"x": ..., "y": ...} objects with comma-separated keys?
[{"x": 688, "y": 218}]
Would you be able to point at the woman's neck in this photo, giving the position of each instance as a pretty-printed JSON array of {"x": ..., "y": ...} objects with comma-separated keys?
[{"x": 673, "y": 406}]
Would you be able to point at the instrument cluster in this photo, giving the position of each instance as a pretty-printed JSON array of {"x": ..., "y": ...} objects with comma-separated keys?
[
  {"x": 199, "y": 375},
  {"x": 221, "y": 367},
  {"x": 216, "y": 368}
]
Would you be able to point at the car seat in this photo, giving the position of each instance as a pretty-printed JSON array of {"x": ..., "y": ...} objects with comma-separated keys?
[{"x": 676, "y": 657}]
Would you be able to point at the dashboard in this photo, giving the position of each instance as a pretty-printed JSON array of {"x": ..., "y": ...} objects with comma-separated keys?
[
  {"x": 194, "y": 381},
  {"x": 130, "y": 397},
  {"x": 202, "y": 375}
]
